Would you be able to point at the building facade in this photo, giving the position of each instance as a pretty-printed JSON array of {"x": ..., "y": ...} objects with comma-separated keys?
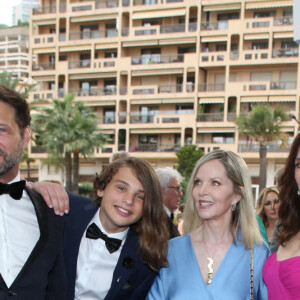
[
  {"x": 165, "y": 73},
  {"x": 14, "y": 48}
]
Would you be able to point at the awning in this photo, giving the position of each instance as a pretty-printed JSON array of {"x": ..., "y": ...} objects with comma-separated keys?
[
  {"x": 211, "y": 100},
  {"x": 216, "y": 7},
  {"x": 282, "y": 98},
  {"x": 44, "y": 50},
  {"x": 256, "y": 36},
  {"x": 220, "y": 38},
  {"x": 254, "y": 99},
  {"x": 155, "y": 130},
  {"x": 268, "y": 4},
  {"x": 215, "y": 130},
  {"x": 107, "y": 46},
  {"x": 159, "y": 14},
  {"x": 92, "y": 75},
  {"x": 157, "y": 72},
  {"x": 94, "y": 18},
  {"x": 75, "y": 48},
  {"x": 283, "y": 35},
  {"x": 175, "y": 41}
]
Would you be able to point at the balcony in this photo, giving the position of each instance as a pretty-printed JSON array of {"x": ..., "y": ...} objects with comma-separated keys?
[
  {"x": 106, "y": 4},
  {"x": 283, "y": 85},
  {"x": 210, "y": 117},
  {"x": 94, "y": 91},
  {"x": 287, "y": 52},
  {"x": 157, "y": 59},
  {"x": 172, "y": 28},
  {"x": 79, "y": 64},
  {"x": 144, "y": 2},
  {"x": 44, "y": 10},
  {"x": 221, "y": 25},
  {"x": 283, "y": 21},
  {"x": 43, "y": 66},
  {"x": 245, "y": 146},
  {"x": 154, "y": 147},
  {"x": 94, "y": 34},
  {"x": 211, "y": 87}
]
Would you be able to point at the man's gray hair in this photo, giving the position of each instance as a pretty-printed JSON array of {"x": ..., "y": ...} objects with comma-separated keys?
[{"x": 165, "y": 175}]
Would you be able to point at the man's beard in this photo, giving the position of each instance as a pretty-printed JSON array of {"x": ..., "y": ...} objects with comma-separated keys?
[{"x": 10, "y": 160}]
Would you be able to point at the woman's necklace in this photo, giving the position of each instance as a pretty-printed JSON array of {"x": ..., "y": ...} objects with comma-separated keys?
[{"x": 210, "y": 259}]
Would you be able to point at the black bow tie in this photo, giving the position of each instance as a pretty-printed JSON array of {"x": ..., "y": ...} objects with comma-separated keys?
[
  {"x": 94, "y": 232},
  {"x": 15, "y": 189}
]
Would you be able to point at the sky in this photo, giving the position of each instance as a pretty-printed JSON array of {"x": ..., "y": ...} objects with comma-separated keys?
[{"x": 6, "y": 11}]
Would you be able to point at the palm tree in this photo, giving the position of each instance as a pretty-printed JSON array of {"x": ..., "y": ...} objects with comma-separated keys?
[
  {"x": 28, "y": 160},
  {"x": 14, "y": 83},
  {"x": 67, "y": 129},
  {"x": 263, "y": 125}
]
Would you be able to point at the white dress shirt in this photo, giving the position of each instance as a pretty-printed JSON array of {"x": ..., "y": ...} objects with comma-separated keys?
[
  {"x": 95, "y": 265},
  {"x": 19, "y": 233}
]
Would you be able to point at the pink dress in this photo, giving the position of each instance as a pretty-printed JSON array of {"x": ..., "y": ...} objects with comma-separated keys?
[{"x": 282, "y": 278}]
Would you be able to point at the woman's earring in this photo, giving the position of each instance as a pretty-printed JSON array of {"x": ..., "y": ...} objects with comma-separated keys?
[
  {"x": 298, "y": 192},
  {"x": 234, "y": 207}
]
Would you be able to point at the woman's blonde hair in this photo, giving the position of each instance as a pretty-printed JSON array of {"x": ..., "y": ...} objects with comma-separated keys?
[
  {"x": 261, "y": 203},
  {"x": 243, "y": 217}
]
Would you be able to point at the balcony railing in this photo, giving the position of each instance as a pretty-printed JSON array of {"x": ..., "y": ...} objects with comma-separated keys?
[
  {"x": 245, "y": 146},
  {"x": 289, "y": 52},
  {"x": 79, "y": 64},
  {"x": 43, "y": 66},
  {"x": 157, "y": 58},
  {"x": 44, "y": 10},
  {"x": 174, "y": 88},
  {"x": 283, "y": 21},
  {"x": 144, "y": 2},
  {"x": 221, "y": 25},
  {"x": 154, "y": 147},
  {"x": 172, "y": 28},
  {"x": 210, "y": 117},
  {"x": 283, "y": 85},
  {"x": 106, "y": 4},
  {"x": 93, "y": 91},
  {"x": 215, "y": 87},
  {"x": 94, "y": 34}
]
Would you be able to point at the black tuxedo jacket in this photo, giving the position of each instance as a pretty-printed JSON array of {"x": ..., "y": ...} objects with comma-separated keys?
[
  {"x": 132, "y": 278},
  {"x": 42, "y": 276}
]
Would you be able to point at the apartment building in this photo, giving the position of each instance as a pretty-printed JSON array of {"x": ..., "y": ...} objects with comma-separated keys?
[
  {"x": 14, "y": 57},
  {"x": 165, "y": 73}
]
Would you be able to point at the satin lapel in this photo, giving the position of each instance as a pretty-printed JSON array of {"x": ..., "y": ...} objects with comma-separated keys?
[
  {"x": 42, "y": 218},
  {"x": 121, "y": 273}
]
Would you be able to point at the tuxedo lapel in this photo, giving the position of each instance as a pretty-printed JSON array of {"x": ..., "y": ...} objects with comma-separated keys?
[
  {"x": 126, "y": 264},
  {"x": 42, "y": 218}
]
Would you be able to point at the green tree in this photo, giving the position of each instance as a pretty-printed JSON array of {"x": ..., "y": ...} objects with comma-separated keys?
[
  {"x": 67, "y": 128},
  {"x": 14, "y": 83},
  {"x": 187, "y": 156},
  {"x": 263, "y": 125}
]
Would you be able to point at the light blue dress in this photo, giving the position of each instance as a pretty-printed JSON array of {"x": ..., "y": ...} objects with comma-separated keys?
[{"x": 182, "y": 279}]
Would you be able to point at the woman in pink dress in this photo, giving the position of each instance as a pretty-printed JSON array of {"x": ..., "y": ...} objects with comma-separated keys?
[{"x": 281, "y": 271}]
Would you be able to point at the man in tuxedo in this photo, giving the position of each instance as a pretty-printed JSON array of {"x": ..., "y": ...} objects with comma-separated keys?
[
  {"x": 170, "y": 180},
  {"x": 31, "y": 235}
]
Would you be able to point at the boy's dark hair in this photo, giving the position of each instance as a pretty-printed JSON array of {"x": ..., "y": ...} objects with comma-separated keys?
[
  {"x": 19, "y": 104},
  {"x": 152, "y": 227}
]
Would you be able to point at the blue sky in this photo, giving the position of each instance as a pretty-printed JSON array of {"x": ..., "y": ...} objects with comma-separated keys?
[{"x": 6, "y": 11}]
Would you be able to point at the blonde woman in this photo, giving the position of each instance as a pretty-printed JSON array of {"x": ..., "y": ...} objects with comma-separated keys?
[
  {"x": 223, "y": 244},
  {"x": 267, "y": 209}
]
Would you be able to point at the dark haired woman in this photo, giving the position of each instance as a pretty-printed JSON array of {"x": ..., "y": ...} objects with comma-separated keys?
[{"x": 281, "y": 271}]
